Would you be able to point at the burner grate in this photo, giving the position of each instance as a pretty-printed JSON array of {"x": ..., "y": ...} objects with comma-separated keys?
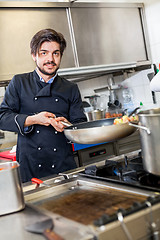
[{"x": 128, "y": 171}]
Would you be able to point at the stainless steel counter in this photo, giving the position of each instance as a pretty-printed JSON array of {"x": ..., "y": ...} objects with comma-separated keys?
[{"x": 13, "y": 226}]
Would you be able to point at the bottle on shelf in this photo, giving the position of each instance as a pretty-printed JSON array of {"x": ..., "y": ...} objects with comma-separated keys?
[{"x": 127, "y": 100}]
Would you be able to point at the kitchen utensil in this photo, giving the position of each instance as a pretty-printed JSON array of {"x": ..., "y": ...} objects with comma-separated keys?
[
  {"x": 134, "y": 111},
  {"x": 150, "y": 77},
  {"x": 44, "y": 227},
  {"x": 86, "y": 104},
  {"x": 97, "y": 131},
  {"x": 149, "y": 126},
  {"x": 38, "y": 182},
  {"x": 95, "y": 115},
  {"x": 12, "y": 199},
  {"x": 93, "y": 100}
]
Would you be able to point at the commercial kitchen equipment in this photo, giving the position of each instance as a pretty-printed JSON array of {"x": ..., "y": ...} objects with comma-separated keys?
[
  {"x": 78, "y": 63},
  {"x": 113, "y": 198},
  {"x": 11, "y": 199},
  {"x": 149, "y": 125}
]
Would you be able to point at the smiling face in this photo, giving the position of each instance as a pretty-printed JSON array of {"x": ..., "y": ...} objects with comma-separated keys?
[{"x": 48, "y": 59}]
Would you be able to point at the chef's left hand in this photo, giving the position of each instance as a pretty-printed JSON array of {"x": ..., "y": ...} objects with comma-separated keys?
[{"x": 57, "y": 124}]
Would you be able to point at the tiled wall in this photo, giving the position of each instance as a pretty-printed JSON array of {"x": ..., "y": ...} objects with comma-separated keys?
[
  {"x": 138, "y": 83},
  {"x": 152, "y": 11}
]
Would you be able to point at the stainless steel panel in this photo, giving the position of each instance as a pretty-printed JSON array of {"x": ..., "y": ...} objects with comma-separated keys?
[
  {"x": 86, "y": 156},
  {"x": 38, "y": 196},
  {"x": 18, "y": 25},
  {"x": 108, "y": 35},
  {"x": 128, "y": 144}
]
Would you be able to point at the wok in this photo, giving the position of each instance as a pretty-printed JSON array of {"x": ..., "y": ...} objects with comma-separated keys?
[{"x": 99, "y": 131}]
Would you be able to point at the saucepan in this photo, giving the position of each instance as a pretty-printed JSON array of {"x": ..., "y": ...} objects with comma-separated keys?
[{"x": 98, "y": 131}]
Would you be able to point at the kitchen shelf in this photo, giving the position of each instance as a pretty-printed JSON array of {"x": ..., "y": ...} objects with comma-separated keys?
[{"x": 88, "y": 72}]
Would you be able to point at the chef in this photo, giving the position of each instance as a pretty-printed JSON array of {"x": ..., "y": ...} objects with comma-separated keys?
[{"x": 34, "y": 105}]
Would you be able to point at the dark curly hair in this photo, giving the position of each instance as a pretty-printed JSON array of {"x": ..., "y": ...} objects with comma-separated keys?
[{"x": 47, "y": 35}]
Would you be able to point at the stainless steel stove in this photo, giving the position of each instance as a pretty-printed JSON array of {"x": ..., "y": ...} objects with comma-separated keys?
[{"x": 110, "y": 199}]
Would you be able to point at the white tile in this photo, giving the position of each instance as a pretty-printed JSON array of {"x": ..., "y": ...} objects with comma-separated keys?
[
  {"x": 152, "y": 9},
  {"x": 145, "y": 79},
  {"x": 148, "y": 95},
  {"x": 155, "y": 49},
  {"x": 157, "y": 94},
  {"x": 138, "y": 95}
]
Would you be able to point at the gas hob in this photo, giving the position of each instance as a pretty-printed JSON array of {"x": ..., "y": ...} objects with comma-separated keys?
[{"x": 128, "y": 171}]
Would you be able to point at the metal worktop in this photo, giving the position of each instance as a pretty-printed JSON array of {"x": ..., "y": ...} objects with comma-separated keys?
[{"x": 13, "y": 226}]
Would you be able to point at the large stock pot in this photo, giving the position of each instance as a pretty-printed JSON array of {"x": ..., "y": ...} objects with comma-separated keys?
[{"x": 149, "y": 127}]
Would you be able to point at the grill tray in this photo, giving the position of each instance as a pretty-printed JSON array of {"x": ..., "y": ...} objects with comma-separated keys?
[{"x": 86, "y": 201}]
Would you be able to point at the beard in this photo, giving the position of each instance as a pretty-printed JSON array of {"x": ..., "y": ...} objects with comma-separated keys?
[{"x": 45, "y": 72}]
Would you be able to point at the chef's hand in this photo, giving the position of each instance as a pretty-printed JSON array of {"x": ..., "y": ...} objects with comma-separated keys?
[
  {"x": 42, "y": 118},
  {"x": 46, "y": 119},
  {"x": 57, "y": 124}
]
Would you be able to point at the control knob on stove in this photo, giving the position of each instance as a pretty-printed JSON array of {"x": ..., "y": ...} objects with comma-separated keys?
[{"x": 104, "y": 219}]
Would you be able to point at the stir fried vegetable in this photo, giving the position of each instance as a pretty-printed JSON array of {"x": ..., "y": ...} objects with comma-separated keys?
[{"x": 126, "y": 119}]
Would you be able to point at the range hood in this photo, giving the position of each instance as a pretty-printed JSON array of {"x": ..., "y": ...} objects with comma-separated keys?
[{"x": 84, "y": 73}]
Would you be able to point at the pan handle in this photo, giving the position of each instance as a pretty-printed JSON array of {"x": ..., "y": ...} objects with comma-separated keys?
[
  {"x": 134, "y": 111},
  {"x": 67, "y": 124},
  {"x": 141, "y": 127},
  {"x": 50, "y": 235}
]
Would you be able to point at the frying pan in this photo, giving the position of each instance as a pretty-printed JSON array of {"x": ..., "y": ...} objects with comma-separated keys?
[{"x": 98, "y": 131}]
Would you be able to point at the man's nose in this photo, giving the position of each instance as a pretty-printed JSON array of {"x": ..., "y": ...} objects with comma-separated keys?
[{"x": 51, "y": 57}]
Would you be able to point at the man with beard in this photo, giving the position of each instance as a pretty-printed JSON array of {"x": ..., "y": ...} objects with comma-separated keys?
[{"x": 34, "y": 105}]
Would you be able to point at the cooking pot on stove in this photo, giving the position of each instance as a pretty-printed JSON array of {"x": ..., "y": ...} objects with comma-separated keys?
[
  {"x": 11, "y": 193},
  {"x": 149, "y": 127}
]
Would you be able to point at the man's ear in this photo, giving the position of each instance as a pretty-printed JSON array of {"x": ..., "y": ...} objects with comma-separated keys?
[{"x": 34, "y": 57}]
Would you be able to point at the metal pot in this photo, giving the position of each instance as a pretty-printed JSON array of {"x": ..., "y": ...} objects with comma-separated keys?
[
  {"x": 149, "y": 126},
  {"x": 95, "y": 115},
  {"x": 11, "y": 199},
  {"x": 97, "y": 131}
]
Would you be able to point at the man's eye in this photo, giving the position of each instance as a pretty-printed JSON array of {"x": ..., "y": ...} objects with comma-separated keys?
[
  {"x": 43, "y": 53},
  {"x": 56, "y": 53}
]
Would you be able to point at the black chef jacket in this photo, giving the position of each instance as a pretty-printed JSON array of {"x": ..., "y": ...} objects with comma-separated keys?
[{"x": 41, "y": 151}]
